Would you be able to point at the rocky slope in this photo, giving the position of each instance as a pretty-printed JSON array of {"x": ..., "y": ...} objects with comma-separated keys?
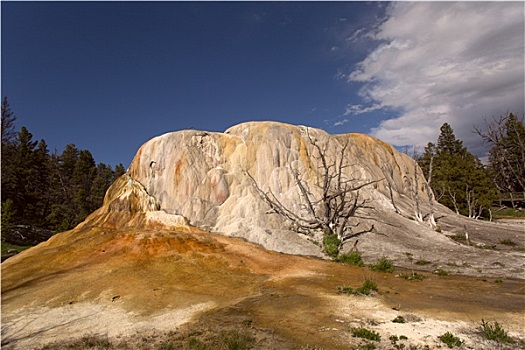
[
  {"x": 201, "y": 178},
  {"x": 148, "y": 262}
]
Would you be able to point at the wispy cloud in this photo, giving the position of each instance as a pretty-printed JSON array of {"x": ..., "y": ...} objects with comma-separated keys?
[
  {"x": 442, "y": 62},
  {"x": 359, "y": 109},
  {"x": 340, "y": 122}
]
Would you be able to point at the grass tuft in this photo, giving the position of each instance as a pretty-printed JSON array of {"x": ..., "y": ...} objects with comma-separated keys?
[
  {"x": 441, "y": 272},
  {"x": 366, "y": 289},
  {"x": 414, "y": 276},
  {"x": 383, "y": 265},
  {"x": 352, "y": 258},
  {"x": 450, "y": 340},
  {"x": 495, "y": 332},
  {"x": 331, "y": 244},
  {"x": 365, "y": 334},
  {"x": 508, "y": 242},
  {"x": 422, "y": 262}
]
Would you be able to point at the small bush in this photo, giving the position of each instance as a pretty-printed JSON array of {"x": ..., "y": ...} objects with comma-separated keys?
[
  {"x": 459, "y": 238},
  {"x": 495, "y": 332},
  {"x": 365, "y": 334},
  {"x": 414, "y": 276},
  {"x": 366, "y": 289},
  {"x": 422, "y": 262},
  {"x": 383, "y": 265},
  {"x": 450, "y": 340},
  {"x": 441, "y": 272},
  {"x": 393, "y": 339},
  {"x": 236, "y": 340},
  {"x": 352, "y": 258},
  {"x": 399, "y": 319},
  {"x": 331, "y": 244},
  {"x": 507, "y": 242}
]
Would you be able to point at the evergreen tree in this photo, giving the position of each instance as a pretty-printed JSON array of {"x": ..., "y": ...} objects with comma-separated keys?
[
  {"x": 8, "y": 123},
  {"x": 8, "y": 151},
  {"x": 447, "y": 144},
  {"x": 459, "y": 179},
  {"x": 505, "y": 137},
  {"x": 48, "y": 191},
  {"x": 25, "y": 176},
  {"x": 41, "y": 164},
  {"x": 83, "y": 176},
  {"x": 508, "y": 155},
  {"x": 63, "y": 211},
  {"x": 103, "y": 179},
  {"x": 8, "y": 214},
  {"x": 119, "y": 171}
]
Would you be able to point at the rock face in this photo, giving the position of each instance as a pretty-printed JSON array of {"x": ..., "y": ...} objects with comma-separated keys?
[{"x": 203, "y": 179}]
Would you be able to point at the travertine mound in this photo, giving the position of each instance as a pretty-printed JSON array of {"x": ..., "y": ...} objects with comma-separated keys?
[{"x": 201, "y": 179}]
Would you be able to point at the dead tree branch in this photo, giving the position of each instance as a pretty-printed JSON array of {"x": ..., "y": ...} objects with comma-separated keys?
[{"x": 336, "y": 200}]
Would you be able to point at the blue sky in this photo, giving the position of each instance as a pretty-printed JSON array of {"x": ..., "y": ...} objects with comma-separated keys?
[{"x": 108, "y": 76}]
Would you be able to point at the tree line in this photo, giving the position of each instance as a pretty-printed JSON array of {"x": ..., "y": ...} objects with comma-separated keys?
[
  {"x": 47, "y": 190},
  {"x": 462, "y": 182}
]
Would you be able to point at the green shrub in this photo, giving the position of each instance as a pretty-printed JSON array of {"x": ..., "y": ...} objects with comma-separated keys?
[
  {"x": 441, "y": 272},
  {"x": 383, "y": 265},
  {"x": 393, "y": 339},
  {"x": 331, "y": 244},
  {"x": 422, "y": 262},
  {"x": 414, "y": 276},
  {"x": 459, "y": 238},
  {"x": 366, "y": 289},
  {"x": 352, "y": 258},
  {"x": 450, "y": 340},
  {"x": 236, "y": 340},
  {"x": 365, "y": 334},
  {"x": 7, "y": 218},
  {"x": 495, "y": 332},
  {"x": 507, "y": 242},
  {"x": 399, "y": 319}
]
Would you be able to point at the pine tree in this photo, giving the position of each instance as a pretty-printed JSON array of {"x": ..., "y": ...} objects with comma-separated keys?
[
  {"x": 48, "y": 191},
  {"x": 8, "y": 123},
  {"x": 459, "y": 179},
  {"x": 8, "y": 151},
  {"x": 25, "y": 176},
  {"x": 505, "y": 136}
]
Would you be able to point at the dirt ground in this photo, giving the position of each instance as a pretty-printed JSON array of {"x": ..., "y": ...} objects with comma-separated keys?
[{"x": 167, "y": 286}]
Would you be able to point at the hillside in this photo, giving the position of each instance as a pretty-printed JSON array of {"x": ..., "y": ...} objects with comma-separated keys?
[{"x": 184, "y": 248}]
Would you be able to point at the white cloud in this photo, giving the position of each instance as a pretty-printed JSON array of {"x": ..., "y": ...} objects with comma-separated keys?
[
  {"x": 443, "y": 62},
  {"x": 340, "y": 122},
  {"x": 359, "y": 109}
]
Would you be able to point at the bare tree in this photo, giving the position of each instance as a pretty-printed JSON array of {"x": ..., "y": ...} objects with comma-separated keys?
[
  {"x": 413, "y": 184},
  {"x": 388, "y": 171},
  {"x": 505, "y": 135},
  {"x": 336, "y": 202},
  {"x": 431, "y": 218},
  {"x": 454, "y": 200}
]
